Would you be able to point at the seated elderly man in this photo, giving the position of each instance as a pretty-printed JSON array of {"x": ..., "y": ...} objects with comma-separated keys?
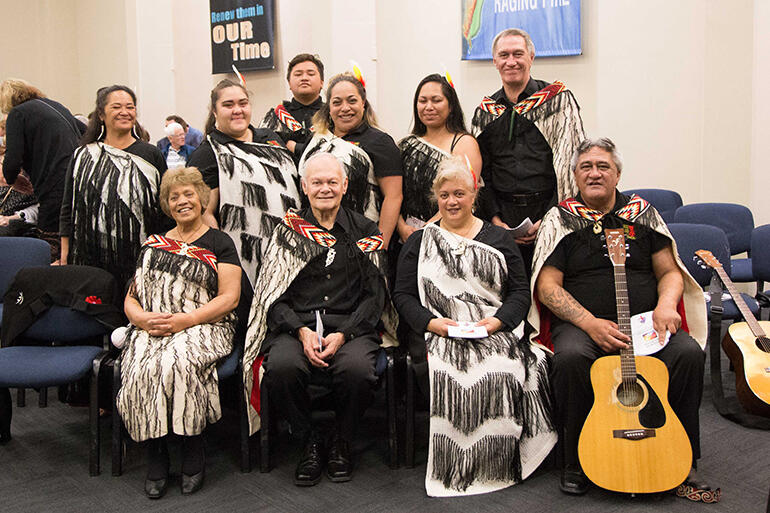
[
  {"x": 574, "y": 281},
  {"x": 177, "y": 152},
  {"x": 319, "y": 266}
]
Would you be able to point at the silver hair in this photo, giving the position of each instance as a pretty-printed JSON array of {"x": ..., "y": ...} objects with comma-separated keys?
[
  {"x": 604, "y": 143},
  {"x": 322, "y": 155},
  {"x": 514, "y": 32},
  {"x": 455, "y": 168},
  {"x": 172, "y": 127}
]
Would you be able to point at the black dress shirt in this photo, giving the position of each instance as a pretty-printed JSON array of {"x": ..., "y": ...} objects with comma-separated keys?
[
  {"x": 350, "y": 286},
  {"x": 517, "y": 158}
]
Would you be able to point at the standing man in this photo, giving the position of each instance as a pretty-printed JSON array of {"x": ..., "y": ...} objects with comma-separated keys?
[
  {"x": 293, "y": 119},
  {"x": 526, "y": 141}
]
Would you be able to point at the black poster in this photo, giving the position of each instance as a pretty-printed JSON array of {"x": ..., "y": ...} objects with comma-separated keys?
[{"x": 241, "y": 35}]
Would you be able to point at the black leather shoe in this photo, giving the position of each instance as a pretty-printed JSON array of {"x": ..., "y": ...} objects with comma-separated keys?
[
  {"x": 193, "y": 483},
  {"x": 155, "y": 488},
  {"x": 311, "y": 463},
  {"x": 338, "y": 466},
  {"x": 573, "y": 481}
]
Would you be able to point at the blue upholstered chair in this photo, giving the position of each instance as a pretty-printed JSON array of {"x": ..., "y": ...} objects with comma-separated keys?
[
  {"x": 760, "y": 261},
  {"x": 737, "y": 223},
  {"x": 692, "y": 237},
  {"x": 665, "y": 202},
  {"x": 60, "y": 364},
  {"x": 16, "y": 253}
]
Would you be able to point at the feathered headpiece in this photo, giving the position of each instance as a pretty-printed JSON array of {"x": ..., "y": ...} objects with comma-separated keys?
[
  {"x": 448, "y": 77},
  {"x": 240, "y": 77},
  {"x": 473, "y": 173},
  {"x": 357, "y": 73}
]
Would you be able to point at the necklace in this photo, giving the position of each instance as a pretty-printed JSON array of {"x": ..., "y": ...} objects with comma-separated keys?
[
  {"x": 462, "y": 239},
  {"x": 188, "y": 239}
]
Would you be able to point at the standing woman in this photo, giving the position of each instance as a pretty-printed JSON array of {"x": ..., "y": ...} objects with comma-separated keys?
[
  {"x": 41, "y": 135},
  {"x": 439, "y": 131},
  {"x": 110, "y": 202},
  {"x": 345, "y": 126},
  {"x": 252, "y": 176}
]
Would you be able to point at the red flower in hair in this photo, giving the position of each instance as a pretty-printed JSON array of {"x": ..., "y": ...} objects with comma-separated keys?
[{"x": 94, "y": 300}]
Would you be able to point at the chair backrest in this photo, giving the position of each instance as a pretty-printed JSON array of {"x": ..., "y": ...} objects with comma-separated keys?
[
  {"x": 18, "y": 252},
  {"x": 692, "y": 237},
  {"x": 665, "y": 201},
  {"x": 735, "y": 220},
  {"x": 760, "y": 252}
]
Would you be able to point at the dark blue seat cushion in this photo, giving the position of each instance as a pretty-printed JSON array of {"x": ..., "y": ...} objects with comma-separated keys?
[
  {"x": 741, "y": 270},
  {"x": 27, "y": 366},
  {"x": 381, "y": 363},
  {"x": 731, "y": 311},
  {"x": 227, "y": 366}
]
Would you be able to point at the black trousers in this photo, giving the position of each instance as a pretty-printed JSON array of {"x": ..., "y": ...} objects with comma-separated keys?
[
  {"x": 514, "y": 210},
  {"x": 575, "y": 352},
  {"x": 350, "y": 372}
]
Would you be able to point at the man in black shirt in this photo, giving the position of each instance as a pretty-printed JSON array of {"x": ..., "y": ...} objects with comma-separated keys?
[
  {"x": 518, "y": 171},
  {"x": 575, "y": 281},
  {"x": 293, "y": 119},
  {"x": 340, "y": 285}
]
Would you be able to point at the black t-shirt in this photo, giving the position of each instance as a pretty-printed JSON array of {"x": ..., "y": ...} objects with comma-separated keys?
[
  {"x": 219, "y": 243},
  {"x": 380, "y": 147},
  {"x": 205, "y": 160},
  {"x": 588, "y": 271},
  {"x": 406, "y": 296}
]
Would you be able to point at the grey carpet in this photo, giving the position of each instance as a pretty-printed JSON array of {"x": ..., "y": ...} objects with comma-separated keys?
[{"x": 45, "y": 468}]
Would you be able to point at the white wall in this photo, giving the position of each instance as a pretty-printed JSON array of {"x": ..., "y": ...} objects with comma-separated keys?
[{"x": 678, "y": 85}]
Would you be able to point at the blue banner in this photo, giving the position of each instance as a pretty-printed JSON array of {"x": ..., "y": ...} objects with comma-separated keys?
[{"x": 554, "y": 25}]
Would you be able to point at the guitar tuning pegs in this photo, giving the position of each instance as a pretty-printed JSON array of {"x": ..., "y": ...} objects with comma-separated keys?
[
  {"x": 626, "y": 246},
  {"x": 628, "y": 255}
]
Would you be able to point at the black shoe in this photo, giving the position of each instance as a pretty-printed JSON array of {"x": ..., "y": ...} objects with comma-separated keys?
[
  {"x": 338, "y": 466},
  {"x": 191, "y": 484},
  {"x": 311, "y": 463},
  {"x": 155, "y": 488},
  {"x": 573, "y": 481}
]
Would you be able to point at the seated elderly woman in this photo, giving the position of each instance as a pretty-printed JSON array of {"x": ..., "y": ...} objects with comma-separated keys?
[
  {"x": 321, "y": 264},
  {"x": 180, "y": 305},
  {"x": 490, "y": 424}
]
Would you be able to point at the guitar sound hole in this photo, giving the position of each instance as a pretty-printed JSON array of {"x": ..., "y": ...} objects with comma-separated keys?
[
  {"x": 763, "y": 343},
  {"x": 630, "y": 394}
]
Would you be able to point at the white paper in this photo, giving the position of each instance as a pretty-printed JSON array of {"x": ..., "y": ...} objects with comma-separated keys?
[
  {"x": 414, "y": 222},
  {"x": 523, "y": 228},
  {"x": 644, "y": 336},
  {"x": 319, "y": 329},
  {"x": 467, "y": 330}
]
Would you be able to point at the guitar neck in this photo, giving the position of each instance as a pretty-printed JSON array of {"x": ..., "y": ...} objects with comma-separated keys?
[
  {"x": 627, "y": 361},
  {"x": 756, "y": 329}
]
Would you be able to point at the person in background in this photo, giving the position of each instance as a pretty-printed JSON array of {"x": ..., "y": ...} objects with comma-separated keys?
[
  {"x": 169, "y": 380},
  {"x": 293, "y": 119},
  {"x": 41, "y": 135},
  {"x": 346, "y": 126},
  {"x": 177, "y": 152},
  {"x": 251, "y": 174},
  {"x": 110, "y": 202},
  {"x": 438, "y": 132},
  {"x": 192, "y": 136}
]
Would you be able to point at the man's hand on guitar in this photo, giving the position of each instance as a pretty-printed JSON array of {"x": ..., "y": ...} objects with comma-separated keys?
[
  {"x": 606, "y": 335},
  {"x": 665, "y": 318}
]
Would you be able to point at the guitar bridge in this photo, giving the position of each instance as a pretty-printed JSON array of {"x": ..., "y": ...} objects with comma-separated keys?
[{"x": 633, "y": 434}]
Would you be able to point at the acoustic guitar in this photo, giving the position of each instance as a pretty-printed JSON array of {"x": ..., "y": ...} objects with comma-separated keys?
[
  {"x": 747, "y": 346},
  {"x": 631, "y": 441}
]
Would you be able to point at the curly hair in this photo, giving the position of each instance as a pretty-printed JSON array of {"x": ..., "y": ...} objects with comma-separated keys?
[
  {"x": 183, "y": 176},
  {"x": 14, "y": 91}
]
